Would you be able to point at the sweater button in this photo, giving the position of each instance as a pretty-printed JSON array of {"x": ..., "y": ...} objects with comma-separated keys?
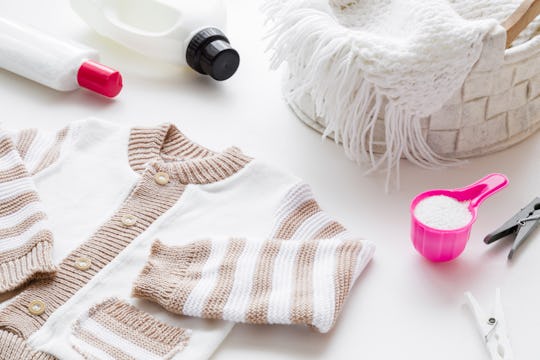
[
  {"x": 162, "y": 178},
  {"x": 36, "y": 307},
  {"x": 129, "y": 220},
  {"x": 83, "y": 263}
]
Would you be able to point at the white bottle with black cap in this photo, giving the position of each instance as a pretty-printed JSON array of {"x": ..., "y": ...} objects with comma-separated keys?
[{"x": 185, "y": 32}]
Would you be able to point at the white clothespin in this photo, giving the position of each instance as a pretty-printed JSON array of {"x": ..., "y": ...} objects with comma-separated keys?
[{"x": 492, "y": 327}]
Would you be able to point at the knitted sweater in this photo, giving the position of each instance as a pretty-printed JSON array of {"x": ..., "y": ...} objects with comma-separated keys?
[{"x": 104, "y": 193}]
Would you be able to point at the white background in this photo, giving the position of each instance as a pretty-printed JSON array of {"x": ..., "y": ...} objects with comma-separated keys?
[{"x": 402, "y": 307}]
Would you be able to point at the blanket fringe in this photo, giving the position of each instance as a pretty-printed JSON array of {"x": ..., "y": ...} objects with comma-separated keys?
[{"x": 325, "y": 55}]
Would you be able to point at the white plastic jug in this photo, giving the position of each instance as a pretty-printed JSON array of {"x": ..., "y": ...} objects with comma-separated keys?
[{"x": 185, "y": 32}]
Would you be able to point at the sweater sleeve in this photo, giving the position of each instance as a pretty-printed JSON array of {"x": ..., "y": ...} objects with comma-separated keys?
[
  {"x": 25, "y": 238},
  {"x": 301, "y": 274},
  {"x": 40, "y": 149}
]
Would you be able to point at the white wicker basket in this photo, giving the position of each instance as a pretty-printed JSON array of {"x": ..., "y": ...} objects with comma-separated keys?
[{"x": 497, "y": 106}]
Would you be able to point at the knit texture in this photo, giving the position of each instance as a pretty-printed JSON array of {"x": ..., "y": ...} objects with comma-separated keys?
[
  {"x": 146, "y": 202},
  {"x": 25, "y": 238},
  {"x": 360, "y": 60},
  {"x": 204, "y": 165},
  {"x": 498, "y": 10},
  {"x": 175, "y": 190},
  {"x": 299, "y": 216},
  {"x": 13, "y": 347},
  {"x": 301, "y": 276},
  {"x": 271, "y": 282},
  {"x": 115, "y": 330}
]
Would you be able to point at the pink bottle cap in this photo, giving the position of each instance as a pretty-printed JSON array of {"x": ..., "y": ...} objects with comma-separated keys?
[
  {"x": 443, "y": 245},
  {"x": 99, "y": 78}
]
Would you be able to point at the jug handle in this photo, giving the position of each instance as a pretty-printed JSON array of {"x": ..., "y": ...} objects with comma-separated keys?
[{"x": 115, "y": 24}]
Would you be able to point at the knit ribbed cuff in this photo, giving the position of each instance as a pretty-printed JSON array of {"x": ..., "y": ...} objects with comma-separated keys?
[
  {"x": 170, "y": 271},
  {"x": 29, "y": 262},
  {"x": 121, "y": 331}
]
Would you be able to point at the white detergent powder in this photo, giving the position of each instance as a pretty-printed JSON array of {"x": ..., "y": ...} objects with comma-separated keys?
[{"x": 443, "y": 212}]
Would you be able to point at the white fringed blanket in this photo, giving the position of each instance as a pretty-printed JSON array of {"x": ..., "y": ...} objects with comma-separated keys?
[{"x": 396, "y": 59}]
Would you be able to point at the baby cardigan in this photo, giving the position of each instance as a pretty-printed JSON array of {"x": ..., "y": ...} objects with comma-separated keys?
[{"x": 105, "y": 192}]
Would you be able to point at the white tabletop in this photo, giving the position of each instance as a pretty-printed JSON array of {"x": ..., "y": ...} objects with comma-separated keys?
[{"x": 402, "y": 307}]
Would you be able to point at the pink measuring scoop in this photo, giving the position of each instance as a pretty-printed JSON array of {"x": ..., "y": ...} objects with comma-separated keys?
[{"x": 443, "y": 245}]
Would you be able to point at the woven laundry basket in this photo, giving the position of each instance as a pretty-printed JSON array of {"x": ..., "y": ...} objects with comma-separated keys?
[{"x": 497, "y": 106}]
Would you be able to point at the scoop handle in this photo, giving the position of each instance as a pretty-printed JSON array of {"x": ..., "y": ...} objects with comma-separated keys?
[{"x": 486, "y": 187}]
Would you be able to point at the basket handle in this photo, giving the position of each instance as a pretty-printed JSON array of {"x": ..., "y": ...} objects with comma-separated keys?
[{"x": 520, "y": 18}]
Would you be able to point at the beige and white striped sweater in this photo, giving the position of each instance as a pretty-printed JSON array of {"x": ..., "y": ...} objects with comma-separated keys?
[{"x": 266, "y": 252}]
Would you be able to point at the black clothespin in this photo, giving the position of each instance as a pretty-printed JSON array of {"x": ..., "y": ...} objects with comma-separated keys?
[{"x": 521, "y": 224}]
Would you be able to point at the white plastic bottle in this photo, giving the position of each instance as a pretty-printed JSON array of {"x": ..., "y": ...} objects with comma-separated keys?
[
  {"x": 58, "y": 64},
  {"x": 185, "y": 32}
]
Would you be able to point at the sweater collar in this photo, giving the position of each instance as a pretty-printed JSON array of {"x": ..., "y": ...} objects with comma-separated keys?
[{"x": 166, "y": 149}]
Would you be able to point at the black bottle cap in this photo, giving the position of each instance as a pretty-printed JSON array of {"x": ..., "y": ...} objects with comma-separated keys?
[{"x": 209, "y": 52}]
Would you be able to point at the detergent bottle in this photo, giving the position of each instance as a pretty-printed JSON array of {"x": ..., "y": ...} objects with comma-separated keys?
[{"x": 184, "y": 32}]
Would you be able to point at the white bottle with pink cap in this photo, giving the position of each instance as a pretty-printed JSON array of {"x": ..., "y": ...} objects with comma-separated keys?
[{"x": 58, "y": 64}]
